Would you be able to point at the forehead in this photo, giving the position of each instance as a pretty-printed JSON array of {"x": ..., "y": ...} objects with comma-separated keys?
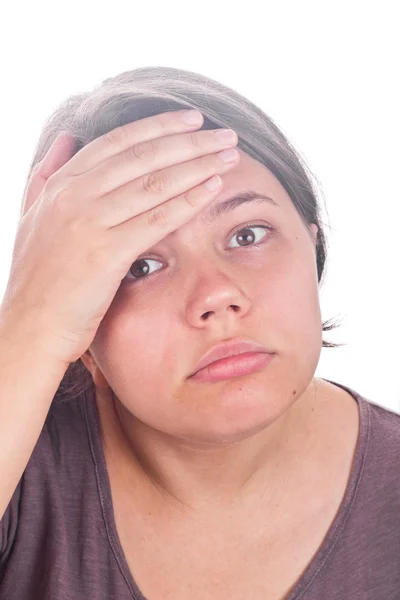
[
  {"x": 250, "y": 174},
  {"x": 248, "y": 178}
]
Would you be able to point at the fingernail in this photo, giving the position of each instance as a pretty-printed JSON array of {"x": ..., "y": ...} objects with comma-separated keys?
[
  {"x": 226, "y": 136},
  {"x": 192, "y": 117},
  {"x": 228, "y": 156},
  {"x": 61, "y": 135},
  {"x": 213, "y": 183}
]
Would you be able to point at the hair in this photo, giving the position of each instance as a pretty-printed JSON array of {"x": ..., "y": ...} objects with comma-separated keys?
[{"x": 147, "y": 91}]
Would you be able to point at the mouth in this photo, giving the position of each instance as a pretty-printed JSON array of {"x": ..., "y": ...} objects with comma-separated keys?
[
  {"x": 233, "y": 356},
  {"x": 233, "y": 366}
]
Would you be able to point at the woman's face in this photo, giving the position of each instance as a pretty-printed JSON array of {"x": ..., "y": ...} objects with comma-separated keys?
[{"x": 209, "y": 282}]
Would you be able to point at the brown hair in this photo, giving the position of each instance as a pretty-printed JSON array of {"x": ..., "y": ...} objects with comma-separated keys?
[{"x": 147, "y": 91}]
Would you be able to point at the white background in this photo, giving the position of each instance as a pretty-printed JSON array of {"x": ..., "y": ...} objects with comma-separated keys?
[{"x": 327, "y": 73}]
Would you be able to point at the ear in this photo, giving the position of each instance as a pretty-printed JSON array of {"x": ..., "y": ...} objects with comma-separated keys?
[
  {"x": 88, "y": 361},
  {"x": 93, "y": 368},
  {"x": 314, "y": 233}
]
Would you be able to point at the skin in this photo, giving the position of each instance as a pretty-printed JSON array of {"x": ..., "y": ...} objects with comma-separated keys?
[{"x": 189, "y": 443}]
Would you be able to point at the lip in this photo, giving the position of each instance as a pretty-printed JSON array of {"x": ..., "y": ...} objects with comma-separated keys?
[{"x": 226, "y": 350}]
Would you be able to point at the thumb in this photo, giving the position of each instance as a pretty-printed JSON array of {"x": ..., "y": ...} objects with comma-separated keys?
[{"x": 59, "y": 153}]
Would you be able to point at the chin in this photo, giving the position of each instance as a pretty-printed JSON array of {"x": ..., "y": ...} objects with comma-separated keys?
[{"x": 237, "y": 413}]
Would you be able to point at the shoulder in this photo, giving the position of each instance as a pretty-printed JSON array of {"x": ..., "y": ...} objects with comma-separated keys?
[
  {"x": 64, "y": 439},
  {"x": 383, "y": 429},
  {"x": 378, "y": 449},
  {"x": 375, "y": 417},
  {"x": 382, "y": 425}
]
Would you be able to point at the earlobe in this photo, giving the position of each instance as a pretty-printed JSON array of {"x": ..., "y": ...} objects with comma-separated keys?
[
  {"x": 87, "y": 361},
  {"x": 91, "y": 365}
]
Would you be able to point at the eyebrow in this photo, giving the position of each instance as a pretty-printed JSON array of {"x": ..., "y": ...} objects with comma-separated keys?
[{"x": 216, "y": 210}]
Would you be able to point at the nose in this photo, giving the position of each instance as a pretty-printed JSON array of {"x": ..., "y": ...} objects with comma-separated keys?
[{"x": 217, "y": 301}]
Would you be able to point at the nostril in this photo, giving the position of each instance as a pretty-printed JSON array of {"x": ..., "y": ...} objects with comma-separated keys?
[{"x": 205, "y": 316}]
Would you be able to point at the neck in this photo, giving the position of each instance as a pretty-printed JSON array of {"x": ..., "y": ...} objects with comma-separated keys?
[{"x": 197, "y": 475}]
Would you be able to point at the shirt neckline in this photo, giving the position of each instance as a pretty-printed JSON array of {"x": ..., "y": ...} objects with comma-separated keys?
[{"x": 323, "y": 553}]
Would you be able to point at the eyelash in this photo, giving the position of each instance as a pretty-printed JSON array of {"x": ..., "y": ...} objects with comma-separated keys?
[{"x": 242, "y": 227}]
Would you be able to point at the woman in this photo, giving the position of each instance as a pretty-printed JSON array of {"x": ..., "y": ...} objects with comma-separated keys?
[{"x": 163, "y": 433}]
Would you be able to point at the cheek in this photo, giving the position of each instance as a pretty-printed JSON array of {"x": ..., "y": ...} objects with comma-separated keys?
[
  {"x": 129, "y": 353},
  {"x": 137, "y": 370},
  {"x": 292, "y": 296}
]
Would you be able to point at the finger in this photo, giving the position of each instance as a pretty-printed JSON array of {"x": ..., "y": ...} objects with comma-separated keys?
[
  {"x": 144, "y": 194},
  {"x": 119, "y": 139},
  {"x": 148, "y": 157},
  {"x": 57, "y": 156},
  {"x": 148, "y": 228}
]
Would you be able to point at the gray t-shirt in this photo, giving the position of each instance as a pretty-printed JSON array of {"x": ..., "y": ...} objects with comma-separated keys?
[{"x": 58, "y": 537}]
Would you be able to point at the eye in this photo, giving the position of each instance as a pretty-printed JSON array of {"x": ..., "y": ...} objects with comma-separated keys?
[
  {"x": 247, "y": 237},
  {"x": 139, "y": 268}
]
